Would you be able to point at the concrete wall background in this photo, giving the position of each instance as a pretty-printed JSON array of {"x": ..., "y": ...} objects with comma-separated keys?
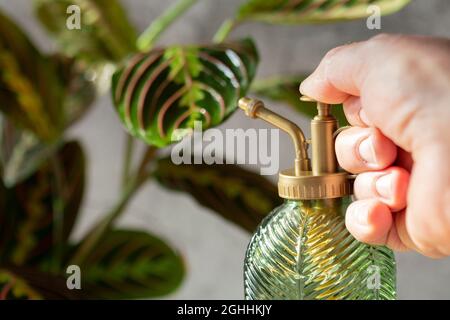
[{"x": 213, "y": 248}]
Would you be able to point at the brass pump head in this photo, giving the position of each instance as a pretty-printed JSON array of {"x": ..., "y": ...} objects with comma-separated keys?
[{"x": 316, "y": 179}]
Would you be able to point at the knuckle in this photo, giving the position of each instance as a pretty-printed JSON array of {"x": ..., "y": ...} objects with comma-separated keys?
[
  {"x": 387, "y": 38},
  {"x": 381, "y": 37},
  {"x": 332, "y": 52},
  {"x": 435, "y": 243}
]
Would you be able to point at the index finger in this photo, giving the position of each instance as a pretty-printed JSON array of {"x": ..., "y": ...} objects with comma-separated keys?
[
  {"x": 378, "y": 71},
  {"x": 337, "y": 77}
]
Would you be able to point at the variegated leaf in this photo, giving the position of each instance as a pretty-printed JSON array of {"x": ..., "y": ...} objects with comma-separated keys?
[
  {"x": 30, "y": 92},
  {"x": 38, "y": 214},
  {"x": 12, "y": 287},
  {"x": 168, "y": 89},
  {"x": 21, "y": 150},
  {"x": 38, "y": 93},
  {"x": 23, "y": 283},
  {"x": 78, "y": 89},
  {"x": 314, "y": 11},
  {"x": 238, "y": 195},
  {"x": 131, "y": 265}
]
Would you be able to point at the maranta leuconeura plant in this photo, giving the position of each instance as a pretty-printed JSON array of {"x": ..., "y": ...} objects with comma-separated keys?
[{"x": 166, "y": 89}]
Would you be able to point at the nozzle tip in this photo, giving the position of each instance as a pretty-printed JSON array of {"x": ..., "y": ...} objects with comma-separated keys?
[
  {"x": 243, "y": 103},
  {"x": 307, "y": 99},
  {"x": 250, "y": 106}
]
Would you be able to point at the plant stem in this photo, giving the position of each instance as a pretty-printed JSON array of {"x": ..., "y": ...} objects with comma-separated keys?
[
  {"x": 155, "y": 29},
  {"x": 58, "y": 213},
  {"x": 224, "y": 30},
  {"x": 100, "y": 229},
  {"x": 128, "y": 159}
]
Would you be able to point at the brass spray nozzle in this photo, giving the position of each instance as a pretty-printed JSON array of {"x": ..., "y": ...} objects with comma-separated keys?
[
  {"x": 255, "y": 109},
  {"x": 319, "y": 179}
]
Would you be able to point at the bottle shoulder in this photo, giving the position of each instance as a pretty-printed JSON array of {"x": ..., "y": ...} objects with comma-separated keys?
[{"x": 303, "y": 250}]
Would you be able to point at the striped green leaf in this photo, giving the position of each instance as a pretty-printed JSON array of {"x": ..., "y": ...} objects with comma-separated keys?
[
  {"x": 167, "y": 89},
  {"x": 12, "y": 287},
  {"x": 38, "y": 93},
  {"x": 21, "y": 150},
  {"x": 131, "y": 265},
  {"x": 30, "y": 93},
  {"x": 238, "y": 195},
  {"x": 31, "y": 210},
  {"x": 314, "y": 11},
  {"x": 24, "y": 283}
]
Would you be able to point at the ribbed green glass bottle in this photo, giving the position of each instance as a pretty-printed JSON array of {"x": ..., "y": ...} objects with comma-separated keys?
[{"x": 303, "y": 250}]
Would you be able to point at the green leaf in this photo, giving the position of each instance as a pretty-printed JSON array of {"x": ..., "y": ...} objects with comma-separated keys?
[
  {"x": 23, "y": 283},
  {"x": 169, "y": 89},
  {"x": 238, "y": 195},
  {"x": 314, "y": 11},
  {"x": 21, "y": 152},
  {"x": 105, "y": 34},
  {"x": 29, "y": 229},
  {"x": 30, "y": 93},
  {"x": 285, "y": 89},
  {"x": 130, "y": 265},
  {"x": 13, "y": 287},
  {"x": 79, "y": 91}
]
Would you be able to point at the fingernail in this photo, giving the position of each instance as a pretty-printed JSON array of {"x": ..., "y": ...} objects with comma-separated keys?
[
  {"x": 384, "y": 186},
  {"x": 359, "y": 213},
  {"x": 367, "y": 150}
]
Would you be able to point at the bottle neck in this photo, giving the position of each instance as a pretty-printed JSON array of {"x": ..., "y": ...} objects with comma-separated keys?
[{"x": 329, "y": 207}]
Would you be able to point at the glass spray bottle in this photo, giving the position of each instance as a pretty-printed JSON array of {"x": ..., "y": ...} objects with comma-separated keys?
[{"x": 302, "y": 249}]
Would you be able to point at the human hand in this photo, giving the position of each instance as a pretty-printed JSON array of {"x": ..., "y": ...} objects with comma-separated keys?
[{"x": 396, "y": 94}]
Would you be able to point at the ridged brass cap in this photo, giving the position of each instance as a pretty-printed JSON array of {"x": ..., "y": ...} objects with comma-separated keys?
[{"x": 309, "y": 186}]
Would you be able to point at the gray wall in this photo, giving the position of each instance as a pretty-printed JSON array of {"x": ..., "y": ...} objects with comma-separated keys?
[{"x": 213, "y": 248}]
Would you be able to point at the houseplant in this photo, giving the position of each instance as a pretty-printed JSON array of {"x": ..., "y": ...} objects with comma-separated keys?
[{"x": 44, "y": 174}]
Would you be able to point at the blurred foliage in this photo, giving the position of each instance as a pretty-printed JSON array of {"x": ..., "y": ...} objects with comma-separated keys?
[
  {"x": 238, "y": 195},
  {"x": 43, "y": 184},
  {"x": 105, "y": 34},
  {"x": 131, "y": 264},
  {"x": 21, "y": 152},
  {"x": 13, "y": 287},
  {"x": 314, "y": 11},
  {"x": 30, "y": 93},
  {"x": 34, "y": 237},
  {"x": 27, "y": 224},
  {"x": 155, "y": 92},
  {"x": 24, "y": 283},
  {"x": 171, "y": 88}
]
